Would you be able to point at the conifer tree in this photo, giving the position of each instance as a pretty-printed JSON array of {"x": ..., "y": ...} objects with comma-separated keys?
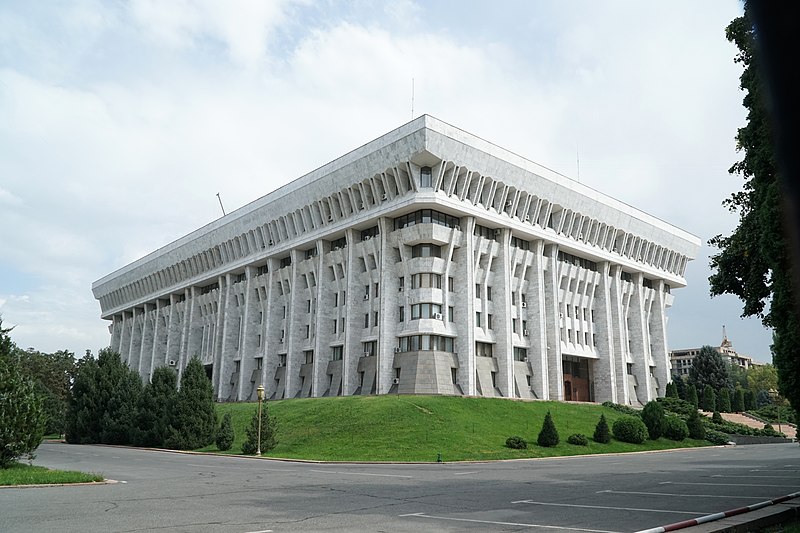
[
  {"x": 697, "y": 430},
  {"x": 268, "y": 429},
  {"x": 602, "y": 433},
  {"x": 548, "y": 436},
  {"x": 225, "y": 434},
  {"x": 709, "y": 399},
  {"x": 738, "y": 400},
  {"x": 691, "y": 396},
  {"x": 724, "y": 401},
  {"x": 194, "y": 421}
]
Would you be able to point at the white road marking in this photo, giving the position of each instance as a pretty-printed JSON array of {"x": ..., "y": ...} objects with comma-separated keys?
[
  {"x": 517, "y": 524},
  {"x": 192, "y": 464},
  {"x": 261, "y": 531},
  {"x": 358, "y": 474},
  {"x": 677, "y": 495},
  {"x": 775, "y": 470},
  {"x": 465, "y": 473},
  {"x": 750, "y": 476},
  {"x": 723, "y": 484},
  {"x": 614, "y": 508}
]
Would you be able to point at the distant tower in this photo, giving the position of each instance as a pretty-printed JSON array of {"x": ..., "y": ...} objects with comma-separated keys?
[{"x": 725, "y": 342}]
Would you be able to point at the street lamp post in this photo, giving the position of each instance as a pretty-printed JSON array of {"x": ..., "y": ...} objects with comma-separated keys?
[
  {"x": 260, "y": 392},
  {"x": 776, "y": 396}
]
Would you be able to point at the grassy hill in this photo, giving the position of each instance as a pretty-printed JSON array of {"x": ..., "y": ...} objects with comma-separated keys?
[{"x": 417, "y": 428}]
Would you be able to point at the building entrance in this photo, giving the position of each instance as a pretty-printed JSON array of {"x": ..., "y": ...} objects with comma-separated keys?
[{"x": 576, "y": 380}]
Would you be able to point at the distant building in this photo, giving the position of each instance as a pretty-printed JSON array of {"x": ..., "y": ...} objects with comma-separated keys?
[
  {"x": 681, "y": 360},
  {"x": 428, "y": 261}
]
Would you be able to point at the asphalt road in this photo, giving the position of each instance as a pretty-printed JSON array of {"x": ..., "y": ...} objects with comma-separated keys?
[{"x": 170, "y": 492}]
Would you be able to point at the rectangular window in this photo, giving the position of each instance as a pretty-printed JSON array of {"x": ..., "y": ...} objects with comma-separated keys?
[
  {"x": 477, "y": 290},
  {"x": 477, "y": 318},
  {"x": 335, "y": 323},
  {"x": 402, "y": 283},
  {"x": 258, "y": 341},
  {"x": 341, "y": 324},
  {"x": 286, "y": 261},
  {"x": 483, "y": 349},
  {"x": 426, "y": 250},
  {"x": 425, "y": 179},
  {"x": 337, "y": 353},
  {"x": 308, "y": 306},
  {"x": 489, "y": 293},
  {"x": 366, "y": 320},
  {"x": 283, "y": 312},
  {"x": 452, "y": 313},
  {"x": 366, "y": 292},
  {"x": 308, "y": 331},
  {"x": 586, "y": 337},
  {"x": 513, "y": 325},
  {"x": 520, "y": 354},
  {"x": 261, "y": 317},
  {"x": 451, "y": 284},
  {"x": 375, "y": 291},
  {"x": 259, "y": 363},
  {"x": 336, "y": 299},
  {"x": 513, "y": 298},
  {"x": 311, "y": 252},
  {"x": 402, "y": 314},
  {"x": 309, "y": 356},
  {"x": 522, "y": 297},
  {"x": 488, "y": 321}
]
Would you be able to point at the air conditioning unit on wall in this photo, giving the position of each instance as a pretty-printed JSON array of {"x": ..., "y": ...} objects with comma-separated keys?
[
  {"x": 172, "y": 362},
  {"x": 525, "y": 332},
  {"x": 437, "y": 316},
  {"x": 524, "y": 304}
]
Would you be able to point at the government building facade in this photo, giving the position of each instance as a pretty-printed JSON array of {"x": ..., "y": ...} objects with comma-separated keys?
[{"x": 428, "y": 261}]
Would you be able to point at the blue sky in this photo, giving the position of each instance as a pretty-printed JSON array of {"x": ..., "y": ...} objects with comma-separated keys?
[{"x": 121, "y": 121}]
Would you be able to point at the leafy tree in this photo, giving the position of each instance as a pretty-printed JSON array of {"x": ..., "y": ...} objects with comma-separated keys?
[
  {"x": 691, "y": 395},
  {"x": 709, "y": 399},
  {"x": 697, "y": 430},
  {"x": 194, "y": 422},
  {"x": 268, "y": 429},
  {"x": 738, "y": 375},
  {"x": 749, "y": 400},
  {"x": 754, "y": 262},
  {"x": 53, "y": 375},
  {"x": 548, "y": 436},
  {"x": 602, "y": 434},
  {"x": 709, "y": 368},
  {"x": 724, "y": 401},
  {"x": 738, "y": 400},
  {"x": 156, "y": 405},
  {"x": 762, "y": 377},
  {"x": 225, "y": 434},
  {"x": 21, "y": 416},
  {"x": 653, "y": 417},
  {"x": 762, "y": 399}
]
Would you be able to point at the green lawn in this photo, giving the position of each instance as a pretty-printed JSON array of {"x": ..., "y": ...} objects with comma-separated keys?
[
  {"x": 417, "y": 428},
  {"x": 22, "y": 474}
]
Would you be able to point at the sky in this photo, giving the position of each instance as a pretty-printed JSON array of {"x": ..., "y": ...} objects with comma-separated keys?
[{"x": 121, "y": 121}]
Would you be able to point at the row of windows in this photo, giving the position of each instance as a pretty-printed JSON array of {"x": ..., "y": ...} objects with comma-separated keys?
[
  {"x": 426, "y": 310},
  {"x": 416, "y": 343},
  {"x": 426, "y": 250},
  {"x": 577, "y": 261},
  {"x": 426, "y": 216}
]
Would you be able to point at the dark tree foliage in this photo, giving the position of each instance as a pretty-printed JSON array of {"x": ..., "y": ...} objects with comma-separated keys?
[
  {"x": 194, "y": 421},
  {"x": 21, "y": 416},
  {"x": 225, "y": 434},
  {"x": 709, "y": 399},
  {"x": 104, "y": 400},
  {"x": 675, "y": 428},
  {"x": 653, "y": 417},
  {"x": 737, "y": 405},
  {"x": 630, "y": 429},
  {"x": 602, "y": 433},
  {"x": 672, "y": 391},
  {"x": 709, "y": 368},
  {"x": 156, "y": 404},
  {"x": 697, "y": 430},
  {"x": 691, "y": 395},
  {"x": 749, "y": 400},
  {"x": 268, "y": 428},
  {"x": 680, "y": 387},
  {"x": 548, "y": 436},
  {"x": 85, "y": 410},
  {"x": 754, "y": 261},
  {"x": 724, "y": 401},
  {"x": 763, "y": 399}
]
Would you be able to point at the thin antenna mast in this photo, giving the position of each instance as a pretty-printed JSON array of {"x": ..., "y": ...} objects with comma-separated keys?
[
  {"x": 578, "y": 158},
  {"x": 220, "y": 204},
  {"x": 412, "y": 98}
]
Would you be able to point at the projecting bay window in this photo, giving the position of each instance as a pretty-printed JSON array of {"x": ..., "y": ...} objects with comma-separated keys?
[
  {"x": 425, "y": 177},
  {"x": 426, "y": 250},
  {"x": 426, "y": 216},
  {"x": 426, "y": 280},
  {"x": 417, "y": 343},
  {"x": 426, "y": 310},
  {"x": 520, "y": 354}
]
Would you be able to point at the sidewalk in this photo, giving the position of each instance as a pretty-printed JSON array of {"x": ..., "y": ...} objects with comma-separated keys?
[{"x": 787, "y": 430}]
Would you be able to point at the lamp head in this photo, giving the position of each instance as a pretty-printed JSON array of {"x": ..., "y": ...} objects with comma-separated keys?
[{"x": 260, "y": 392}]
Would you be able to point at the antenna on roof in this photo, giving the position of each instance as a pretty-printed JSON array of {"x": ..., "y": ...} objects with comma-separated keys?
[
  {"x": 220, "y": 204},
  {"x": 578, "y": 158},
  {"x": 412, "y": 98}
]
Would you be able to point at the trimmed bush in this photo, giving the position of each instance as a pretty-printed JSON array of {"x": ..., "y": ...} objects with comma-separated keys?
[
  {"x": 653, "y": 418},
  {"x": 675, "y": 428},
  {"x": 548, "y": 436},
  {"x": 697, "y": 430},
  {"x": 225, "y": 434},
  {"x": 630, "y": 429},
  {"x": 717, "y": 418},
  {"x": 578, "y": 439},
  {"x": 516, "y": 442},
  {"x": 680, "y": 407},
  {"x": 601, "y": 432},
  {"x": 715, "y": 437}
]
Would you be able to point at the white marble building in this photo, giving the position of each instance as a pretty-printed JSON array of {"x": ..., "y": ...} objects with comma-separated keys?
[{"x": 426, "y": 261}]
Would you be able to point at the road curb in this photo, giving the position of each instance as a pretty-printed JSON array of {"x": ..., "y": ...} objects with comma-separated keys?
[{"x": 42, "y": 485}]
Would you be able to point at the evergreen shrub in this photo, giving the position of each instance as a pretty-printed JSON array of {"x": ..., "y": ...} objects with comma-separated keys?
[
  {"x": 578, "y": 439},
  {"x": 697, "y": 430},
  {"x": 602, "y": 434},
  {"x": 653, "y": 417},
  {"x": 630, "y": 429},
  {"x": 716, "y": 437},
  {"x": 225, "y": 434},
  {"x": 675, "y": 428},
  {"x": 548, "y": 436},
  {"x": 516, "y": 442}
]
